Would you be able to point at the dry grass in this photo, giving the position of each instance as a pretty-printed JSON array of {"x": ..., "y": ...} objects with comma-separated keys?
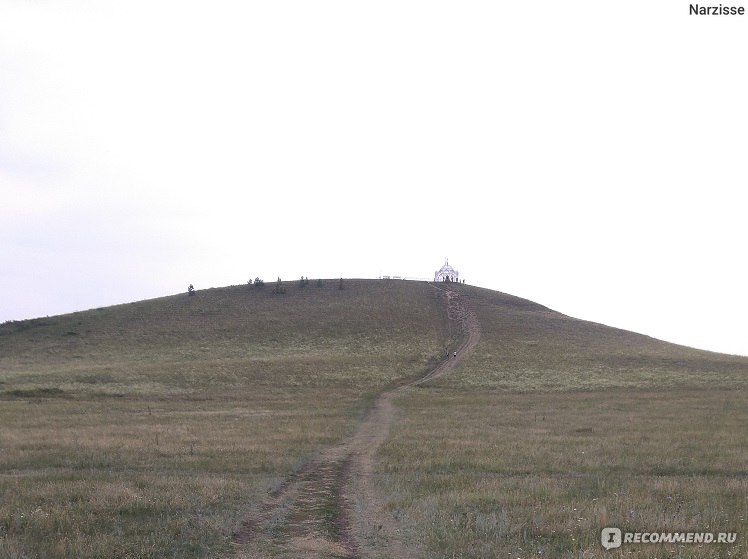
[
  {"x": 526, "y": 347},
  {"x": 554, "y": 428},
  {"x": 539, "y": 475},
  {"x": 80, "y": 475},
  {"x": 150, "y": 430}
]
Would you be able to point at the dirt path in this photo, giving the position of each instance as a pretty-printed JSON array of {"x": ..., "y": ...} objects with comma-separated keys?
[{"x": 331, "y": 507}]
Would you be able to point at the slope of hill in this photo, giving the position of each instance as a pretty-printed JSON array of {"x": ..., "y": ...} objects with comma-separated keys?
[
  {"x": 166, "y": 341},
  {"x": 152, "y": 429},
  {"x": 145, "y": 430},
  {"x": 228, "y": 339},
  {"x": 527, "y": 347}
]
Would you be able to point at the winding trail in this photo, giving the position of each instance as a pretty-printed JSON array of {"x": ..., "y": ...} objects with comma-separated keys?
[{"x": 331, "y": 508}]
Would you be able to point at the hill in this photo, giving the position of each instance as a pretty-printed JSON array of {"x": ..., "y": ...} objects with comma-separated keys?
[
  {"x": 395, "y": 324},
  {"x": 527, "y": 347},
  {"x": 220, "y": 339},
  {"x": 155, "y": 428}
]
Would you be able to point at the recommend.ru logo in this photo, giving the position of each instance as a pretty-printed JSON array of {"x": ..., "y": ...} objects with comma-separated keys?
[{"x": 611, "y": 538}]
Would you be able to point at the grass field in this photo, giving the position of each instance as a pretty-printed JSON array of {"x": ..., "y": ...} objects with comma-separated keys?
[
  {"x": 554, "y": 428},
  {"x": 474, "y": 474},
  {"x": 149, "y": 429}
]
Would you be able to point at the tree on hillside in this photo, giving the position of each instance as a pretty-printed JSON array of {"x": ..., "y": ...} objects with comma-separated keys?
[
  {"x": 259, "y": 283},
  {"x": 303, "y": 281},
  {"x": 279, "y": 289},
  {"x": 191, "y": 290}
]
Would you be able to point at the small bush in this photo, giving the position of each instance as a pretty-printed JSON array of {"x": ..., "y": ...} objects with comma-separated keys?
[{"x": 279, "y": 289}]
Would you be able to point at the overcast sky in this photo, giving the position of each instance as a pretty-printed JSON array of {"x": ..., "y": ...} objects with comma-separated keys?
[{"x": 590, "y": 156}]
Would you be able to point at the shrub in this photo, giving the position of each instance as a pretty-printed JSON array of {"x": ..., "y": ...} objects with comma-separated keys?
[{"x": 279, "y": 289}]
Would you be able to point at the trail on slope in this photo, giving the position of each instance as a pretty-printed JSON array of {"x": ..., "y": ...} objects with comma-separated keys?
[{"x": 330, "y": 508}]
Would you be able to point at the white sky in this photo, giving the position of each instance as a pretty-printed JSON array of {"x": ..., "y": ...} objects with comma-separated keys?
[{"x": 590, "y": 156}]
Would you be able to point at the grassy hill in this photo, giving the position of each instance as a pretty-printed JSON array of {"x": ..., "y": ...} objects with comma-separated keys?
[
  {"x": 222, "y": 337},
  {"x": 146, "y": 429},
  {"x": 149, "y": 429},
  {"x": 228, "y": 340},
  {"x": 527, "y": 347}
]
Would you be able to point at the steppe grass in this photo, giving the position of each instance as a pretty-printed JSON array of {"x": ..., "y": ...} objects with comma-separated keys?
[
  {"x": 132, "y": 478},
  {"x": 553, "y": 428},
  {"x": 150, "y": 429},
  {"x": 526, "y": 347},
  {"x": 473, "y": 474}
]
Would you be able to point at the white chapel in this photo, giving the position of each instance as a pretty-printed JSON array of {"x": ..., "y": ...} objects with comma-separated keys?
[{"x": 447, "y": 273}]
